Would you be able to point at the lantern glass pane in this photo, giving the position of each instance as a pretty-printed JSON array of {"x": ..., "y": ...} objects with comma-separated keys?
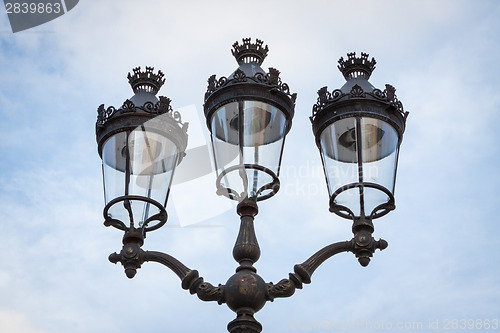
[
  {"x": 340, "y": 161},
  {"x": 244, "y": 135},
  {"x": 379, "y": 153},
  {"x": 138, "y": 163},
  {"x": 358, "y": 152}
]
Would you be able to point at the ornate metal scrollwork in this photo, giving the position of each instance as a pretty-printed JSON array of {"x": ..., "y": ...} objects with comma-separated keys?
[
  {"x": 271, "y": 79},
  {"x": 145, "y": 82},
  {"x": 253, "y": 53},
  {"x": 325, "y": 98},
  {"x": 162, "y": 107},
  {"x": 355, "y": 69}
]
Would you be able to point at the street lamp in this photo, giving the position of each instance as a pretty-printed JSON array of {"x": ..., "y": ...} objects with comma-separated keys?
[
  {"x": 358, "y": 130},
  {"x": 248, "y": 114},
  {"x": 140, "y": 144}
]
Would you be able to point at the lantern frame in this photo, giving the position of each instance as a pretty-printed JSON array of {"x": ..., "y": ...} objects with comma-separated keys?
[
  {"x": 249, "y": 83},
  {"x": 358, "y": 99},
  {"x": 156, "y": 115}
]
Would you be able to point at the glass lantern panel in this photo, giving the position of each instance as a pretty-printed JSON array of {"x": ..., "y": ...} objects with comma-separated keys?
[
  {"x": 339, "y": 153},
  {"x": 138, "y": 163},
  {"x": 379, "y": 153},
  {"x": 340, "y": 161},
  {"x": 357, "y": 151},
  {"x": 248, "y": 133},
  {"x": 224, "y": 138},
  {"x": 113, "y": 166}
]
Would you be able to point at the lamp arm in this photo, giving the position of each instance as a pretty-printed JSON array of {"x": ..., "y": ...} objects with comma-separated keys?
[
  {"x": 191, "y": 279},
  {"x": 132, "y": 257},
  {"x": 303, "y": 272},
  {"x": 363, "y": 245},
  {"x": 167, "y": 260}
]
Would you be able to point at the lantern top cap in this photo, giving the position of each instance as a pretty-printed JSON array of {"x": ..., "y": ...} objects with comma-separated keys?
[
  {"x": 250, "y": 52},
  {"x": 146, "y": 81},
  {"x": 356, "y": 67}
]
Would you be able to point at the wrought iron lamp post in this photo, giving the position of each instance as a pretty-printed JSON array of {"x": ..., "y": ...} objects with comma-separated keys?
[{"x": 358, "y": 130}]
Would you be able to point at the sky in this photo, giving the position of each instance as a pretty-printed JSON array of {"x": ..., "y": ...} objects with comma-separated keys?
[{"x": 441, "y": 268}]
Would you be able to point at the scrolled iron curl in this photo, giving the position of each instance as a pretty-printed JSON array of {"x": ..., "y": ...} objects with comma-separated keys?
[
  {"x": 151, "y": 107},
  {"x": 221, "y": 82},
  {"x": 110, "y": 110},
  {"x": 379, "y": 94},
  {"x": 336, "y": 95},
  {"x": 177, "y": 116},
  {"x": 104, "y": 114},
  {"x": 259, "y": 77},
  {"x": 284, "y": 88}
]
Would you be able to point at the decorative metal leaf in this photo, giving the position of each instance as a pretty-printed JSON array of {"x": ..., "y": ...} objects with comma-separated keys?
[{"x": 357, "y": 91}]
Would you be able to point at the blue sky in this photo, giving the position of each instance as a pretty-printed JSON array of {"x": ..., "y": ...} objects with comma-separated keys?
[{"x": 441, "y": 263}]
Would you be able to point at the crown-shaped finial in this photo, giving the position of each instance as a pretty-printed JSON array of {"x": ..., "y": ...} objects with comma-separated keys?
[
  {"x": 146, "y": 81},
  {"x": 353, "y": 67},
  {"x": 248, "y": 52}
]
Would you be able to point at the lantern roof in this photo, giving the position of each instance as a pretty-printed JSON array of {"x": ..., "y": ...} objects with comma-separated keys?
[
  {"x": 249, "y": 81},
  {"x": 357, "y": 96},
  {"x": 141, "y": 109}
]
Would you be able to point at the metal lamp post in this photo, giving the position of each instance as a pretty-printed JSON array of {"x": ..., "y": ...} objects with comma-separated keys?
[{"x": 358, "y": 129}]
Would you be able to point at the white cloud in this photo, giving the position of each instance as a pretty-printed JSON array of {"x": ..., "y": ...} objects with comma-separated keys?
[{"x": 13, "y": 322}]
